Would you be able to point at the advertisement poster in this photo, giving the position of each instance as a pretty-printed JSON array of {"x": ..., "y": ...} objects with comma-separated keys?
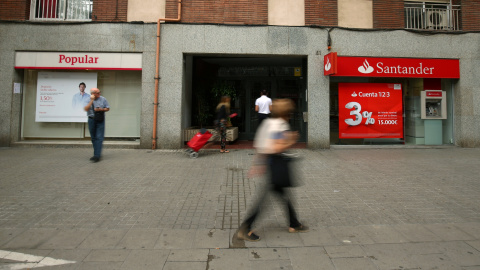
[
  {"x": 370, "y": 110},
  {"x": 61, "y": 98}
]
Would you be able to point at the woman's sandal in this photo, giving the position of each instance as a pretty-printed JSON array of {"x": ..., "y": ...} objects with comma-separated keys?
[
  {"x": 224, "y": 151},
  {"x": 298, "y": 229},
  {"x": 245, "y": 233},
  {"x": 251, "y": 236}
]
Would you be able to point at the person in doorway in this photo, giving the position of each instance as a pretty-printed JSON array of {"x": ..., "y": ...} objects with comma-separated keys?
[
  {"x": 223, "y": 110},
  {"x": 272, "y": 140},
  {"x": 80, "y": 99},
  {"x": 96, "y": 109},
  {"x": 263, "y": 106}
]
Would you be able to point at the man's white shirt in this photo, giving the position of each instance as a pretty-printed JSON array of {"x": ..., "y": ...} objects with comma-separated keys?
[{"x": 263, "y": 104}]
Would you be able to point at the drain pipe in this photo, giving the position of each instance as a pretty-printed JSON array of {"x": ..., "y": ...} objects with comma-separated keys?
[{"x": 157, "y": 74}]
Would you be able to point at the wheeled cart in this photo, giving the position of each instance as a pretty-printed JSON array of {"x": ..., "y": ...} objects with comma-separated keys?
[{"x": 197, "y": 142}]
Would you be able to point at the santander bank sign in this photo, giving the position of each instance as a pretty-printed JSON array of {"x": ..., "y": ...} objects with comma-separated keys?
[
  {"x": 391, "y": 67},
  {"x": 365, "y": 68}
]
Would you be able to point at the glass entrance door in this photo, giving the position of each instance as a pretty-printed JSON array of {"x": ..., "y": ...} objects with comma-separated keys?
[
  {"x": 253, "y": 88},
  {"x": 294, "y": 89},
  {"x": 291, "y": 88}
]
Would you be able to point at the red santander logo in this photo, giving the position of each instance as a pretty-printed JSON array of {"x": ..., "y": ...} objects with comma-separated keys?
[{"x": 328, "y": 65}]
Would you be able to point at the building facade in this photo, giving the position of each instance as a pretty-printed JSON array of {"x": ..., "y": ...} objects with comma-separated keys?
[{"x": 239, "y": 48}]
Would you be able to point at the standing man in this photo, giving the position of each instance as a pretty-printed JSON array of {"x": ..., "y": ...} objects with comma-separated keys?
[
  {"x": 96, "y": 109},
  {"x": 263, "y": 106},
  {"x": 81, "y": 99}
]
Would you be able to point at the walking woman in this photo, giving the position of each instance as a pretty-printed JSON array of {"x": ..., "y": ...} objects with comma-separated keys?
[
  {"x": 272, "y": 139},
  {"x": 223, "y": 110}
]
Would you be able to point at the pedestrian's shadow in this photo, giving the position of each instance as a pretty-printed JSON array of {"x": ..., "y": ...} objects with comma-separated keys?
[{"x": 237, "y": 242}]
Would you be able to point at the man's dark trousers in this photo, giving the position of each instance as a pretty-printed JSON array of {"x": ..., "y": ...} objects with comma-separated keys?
[{"x": 261, "y": 117}]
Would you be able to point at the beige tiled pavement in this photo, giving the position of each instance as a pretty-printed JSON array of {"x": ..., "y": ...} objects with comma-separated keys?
[{"x": 143, "y": 209}]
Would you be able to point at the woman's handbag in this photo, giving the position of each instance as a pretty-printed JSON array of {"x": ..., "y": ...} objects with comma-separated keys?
[{"x": 280, "y": 171}]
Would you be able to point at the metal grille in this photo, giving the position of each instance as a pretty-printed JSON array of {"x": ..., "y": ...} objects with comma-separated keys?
[
  {"x": 425, "y": 16},
  {"x": 61, "y": 10}
]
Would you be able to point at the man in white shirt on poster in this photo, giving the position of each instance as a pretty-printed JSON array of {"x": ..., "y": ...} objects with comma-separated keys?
[
  {"x": 263, "y": 106},
  {"x": 80, "y": 99}
]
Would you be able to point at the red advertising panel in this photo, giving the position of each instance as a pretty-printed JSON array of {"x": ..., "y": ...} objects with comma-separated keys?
[
  {"x": 350, "y": 66},
  {"x": 370, "y": 110}
]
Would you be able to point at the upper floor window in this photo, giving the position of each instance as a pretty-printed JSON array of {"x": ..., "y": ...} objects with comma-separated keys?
[
  {"x": 61, "y": 10},
  {"x": 432, "y": 16}
]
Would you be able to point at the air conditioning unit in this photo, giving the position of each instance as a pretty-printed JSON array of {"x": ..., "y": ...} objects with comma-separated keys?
[{"x": 436, "y": 19}]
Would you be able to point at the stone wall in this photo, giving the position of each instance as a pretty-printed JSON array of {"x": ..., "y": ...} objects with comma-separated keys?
[{"x": 181, "y": 40}]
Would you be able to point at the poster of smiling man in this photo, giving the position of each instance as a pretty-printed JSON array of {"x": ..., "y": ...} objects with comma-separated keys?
[{"x": 61, "y": 96}]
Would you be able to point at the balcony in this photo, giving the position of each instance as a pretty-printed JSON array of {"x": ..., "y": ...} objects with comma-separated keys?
[
  {"x": 61, "y": 10},
  {"x": 426, "y": 16}
]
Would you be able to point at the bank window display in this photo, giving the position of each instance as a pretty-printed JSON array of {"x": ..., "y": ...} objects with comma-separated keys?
[
  {"x": 389, "y": 111},
  {"x": 52, "y": 103}
]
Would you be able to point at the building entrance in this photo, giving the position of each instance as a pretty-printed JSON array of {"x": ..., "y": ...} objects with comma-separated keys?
[{"x": 243, "y": 79}]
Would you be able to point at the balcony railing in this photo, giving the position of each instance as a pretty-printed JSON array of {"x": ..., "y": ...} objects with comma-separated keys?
[
  {"x": 61, "y": 10},
  {"x": 425, "y": 16}
]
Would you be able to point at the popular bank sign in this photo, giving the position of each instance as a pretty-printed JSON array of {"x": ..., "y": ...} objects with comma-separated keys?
[
  {"x": 78, "y": 60},
  {"x": 353, "y": 66}
]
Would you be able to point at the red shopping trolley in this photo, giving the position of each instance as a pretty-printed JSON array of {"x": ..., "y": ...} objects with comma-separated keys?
[{"x": 197, "y": 142}]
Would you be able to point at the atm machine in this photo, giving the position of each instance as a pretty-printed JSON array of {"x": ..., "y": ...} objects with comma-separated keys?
[{"x": 433, "y": 110}]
